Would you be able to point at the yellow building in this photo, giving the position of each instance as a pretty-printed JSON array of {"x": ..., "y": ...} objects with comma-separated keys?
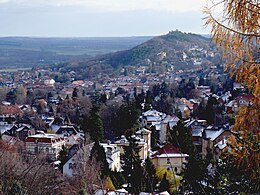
[
  {"x": 170, "y": 158},
  {"x": 141, "y": 144}
]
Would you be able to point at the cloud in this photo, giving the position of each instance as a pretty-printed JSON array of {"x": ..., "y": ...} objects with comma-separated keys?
[{"x": 117, "y": 5}]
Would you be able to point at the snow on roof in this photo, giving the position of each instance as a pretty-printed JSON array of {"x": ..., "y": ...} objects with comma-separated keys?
[
  {"x": 231, "y": 103},
  {"x": 197, "y": 132},
  {"x": 221, "y": 145},
  {"x": 170, "y": 119},
  {"x": 143, "y": 130},
  {"x": 189, "y": 122},
  {"x": 211, "y": 134},
  {"x": 153, "y": 112},
  {"x": 171, "y": 155},
  {"x": 20, "y": 129},
  {"x": 45, "y": 136},
  {"x": 4, "y": 128},
  {"x": 157, "y": 127},
  {"x": 124, "y": 140}
]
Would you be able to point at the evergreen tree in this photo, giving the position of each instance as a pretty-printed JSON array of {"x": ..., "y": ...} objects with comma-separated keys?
[
  {"x": 117, "y": 178},
  {"x": 210, "y": 112},
  {"x": 99, "y": 154},
  {"x": 93, "y": 125},
  {"x": 125, "y": 119},
  {"x": 148, "y": 100},
  {"x": 237, "y": 171},
  {"x": 180, "y": 137},
  {"x": 83, "y": 93},
  {"x": 62, "y": 157},
  {"x": 103, "y": 98},
  {"x": 156, "y": 90},
  {"x": 195, "y": 175},
  {"x": 150, "y": 178},
  {"x": 11, "y": 97},
  {"x": 75, "y": 93},
  {"x": 133, "y": 170},
  {"x": 154, "y": 137},
  {"x": 164, "y": 88},
  {"x": 201, "y": 81},
  {"x": 164, "y": 184}
]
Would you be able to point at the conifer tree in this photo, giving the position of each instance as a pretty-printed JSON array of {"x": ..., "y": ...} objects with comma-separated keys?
[
  {"x": 99, "y": 154},
  {"x": 75, "y": 93},
  {"x": 180, "y": 137},
  {"x": 150, "y": 178},
  {"x": 154, "y": 137},
  {"x": 93, "y": 125},
  {"x": 164, "y": 184},
  {"x": 133, "y": 170},
  {"x": 63, "y": 157}
]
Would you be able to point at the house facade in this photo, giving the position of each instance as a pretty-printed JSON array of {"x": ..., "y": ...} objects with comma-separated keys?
[
  {"x": 214, "y": 141},
  {"x": 50, "y": 144},
  {"x": 169, "y": 158},
  {"x": 141, "y": 144},
  {"x": 112, "y": 156}
]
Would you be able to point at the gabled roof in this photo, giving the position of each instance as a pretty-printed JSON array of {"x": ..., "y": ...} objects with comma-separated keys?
[
  {"x": 221, "y": 144},
  {"x": 195, "y": 122},
  {"x": 67, "y": 129},
  {"x": 168, "y": 151},
  {"x": 169, "y": 118},
  {"x": 143, "y": 131},
  {"x": 212, "y": 134},
  {"x": 12, "y": 109},
  {"x": 154, "y": 113}
]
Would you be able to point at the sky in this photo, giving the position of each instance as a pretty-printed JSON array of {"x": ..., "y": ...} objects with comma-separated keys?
[{"x": 99, "y": 18}]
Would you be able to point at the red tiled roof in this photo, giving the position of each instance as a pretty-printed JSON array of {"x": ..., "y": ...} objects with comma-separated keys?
[
  {"x": 167, "y": 149},
  {"x": 12, "y": 109}
]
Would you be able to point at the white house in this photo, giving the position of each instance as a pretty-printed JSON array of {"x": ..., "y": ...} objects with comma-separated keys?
[
  {"x": 152, "y": 117},
  {"x": 112, "y": 156},
  {"x": 75, "y": 155}
]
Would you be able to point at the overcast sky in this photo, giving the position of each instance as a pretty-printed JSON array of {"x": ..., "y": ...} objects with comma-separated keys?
[{"x": 97, "y": 18}]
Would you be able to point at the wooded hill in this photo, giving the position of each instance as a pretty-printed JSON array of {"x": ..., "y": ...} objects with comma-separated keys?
[{"x": 166, "y": 49}]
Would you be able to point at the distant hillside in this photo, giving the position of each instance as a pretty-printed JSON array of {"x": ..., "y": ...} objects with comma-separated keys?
[
  {"x": 171, "y": 44},
  {"x": 29, "y": 51},
  {"x": 162, "y": 49}
]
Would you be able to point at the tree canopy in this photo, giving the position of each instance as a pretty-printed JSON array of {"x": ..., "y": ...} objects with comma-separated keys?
[{"x": 236, "y": 32}]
